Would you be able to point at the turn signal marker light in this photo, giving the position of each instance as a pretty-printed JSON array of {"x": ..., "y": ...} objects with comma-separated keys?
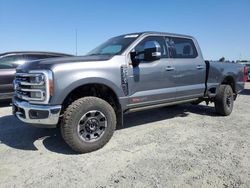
[{"x": 51, "y": 87}]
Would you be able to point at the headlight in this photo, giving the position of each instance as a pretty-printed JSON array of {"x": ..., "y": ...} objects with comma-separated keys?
[
  {"x": 37, "y": 95},
  {"x": 38, "y": 79},
  {"x": 35, "y": 86}
]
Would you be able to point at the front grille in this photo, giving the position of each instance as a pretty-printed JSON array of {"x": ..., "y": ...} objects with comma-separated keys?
[{"x": 32, "y": 87}]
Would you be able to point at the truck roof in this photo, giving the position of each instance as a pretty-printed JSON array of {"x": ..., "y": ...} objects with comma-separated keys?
[{"x": 160, "y": 33}]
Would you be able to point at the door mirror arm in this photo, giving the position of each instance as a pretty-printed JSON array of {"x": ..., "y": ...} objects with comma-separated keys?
[
  {"x": 134, "y": 60},
  {"x": 151, "y": 52}
]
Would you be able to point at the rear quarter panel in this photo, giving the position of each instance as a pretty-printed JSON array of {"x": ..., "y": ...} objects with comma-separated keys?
[{"x": 220, "y": 70}]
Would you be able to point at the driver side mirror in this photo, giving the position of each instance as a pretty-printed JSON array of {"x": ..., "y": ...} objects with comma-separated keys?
[{"x": 150, "y": 51}]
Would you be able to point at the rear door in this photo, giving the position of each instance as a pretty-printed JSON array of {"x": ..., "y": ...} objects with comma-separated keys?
[
  {"x": 189, "y": 68},
  {"x": 8, "y": 66}
]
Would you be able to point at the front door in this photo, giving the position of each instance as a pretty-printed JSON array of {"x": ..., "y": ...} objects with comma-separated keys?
[{"x": 152, "y": 81}]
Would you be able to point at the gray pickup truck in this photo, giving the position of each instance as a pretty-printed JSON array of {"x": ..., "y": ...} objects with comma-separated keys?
[{"x": 87, "y": 96}]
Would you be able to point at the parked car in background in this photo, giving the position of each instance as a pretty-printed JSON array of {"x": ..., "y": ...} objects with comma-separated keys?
[{"x": 8, "y": 64}]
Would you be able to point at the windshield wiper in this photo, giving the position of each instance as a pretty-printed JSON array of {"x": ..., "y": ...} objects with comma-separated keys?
[
  {"x": 93, "y": 54},
  {"x": 101, "y": 54},
  {"x": 108, "y": 54}
]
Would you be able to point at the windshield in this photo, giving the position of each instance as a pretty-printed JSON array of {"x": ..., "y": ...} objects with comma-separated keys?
[{"x": 114, "y": 46}]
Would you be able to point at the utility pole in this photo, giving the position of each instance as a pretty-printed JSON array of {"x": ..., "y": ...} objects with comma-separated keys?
[{"x": 76, "y": 40}]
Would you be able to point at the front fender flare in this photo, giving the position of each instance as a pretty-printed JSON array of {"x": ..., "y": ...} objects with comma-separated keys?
[{"x": 60, "y": 97}]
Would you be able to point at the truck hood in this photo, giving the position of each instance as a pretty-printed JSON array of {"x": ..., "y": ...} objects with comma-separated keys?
[{"x": 50, "y": 62}]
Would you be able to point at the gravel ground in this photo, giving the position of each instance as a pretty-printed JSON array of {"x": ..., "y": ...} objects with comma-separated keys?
[{"x": 181, "y": 146}]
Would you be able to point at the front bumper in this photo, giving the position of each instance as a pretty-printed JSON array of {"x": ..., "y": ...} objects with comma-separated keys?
[{"x": 38, "y": 115}]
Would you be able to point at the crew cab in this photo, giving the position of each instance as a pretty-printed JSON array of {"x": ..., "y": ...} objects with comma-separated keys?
[{"x": 86, "y": 96}]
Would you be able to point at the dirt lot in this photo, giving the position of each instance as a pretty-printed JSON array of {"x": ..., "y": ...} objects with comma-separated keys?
[{"x": 181, "y": 146}]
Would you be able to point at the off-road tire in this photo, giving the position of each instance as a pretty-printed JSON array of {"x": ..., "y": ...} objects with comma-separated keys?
[
  {"x": 71, "y": 118},
  {"x": 224, "y": 100}
]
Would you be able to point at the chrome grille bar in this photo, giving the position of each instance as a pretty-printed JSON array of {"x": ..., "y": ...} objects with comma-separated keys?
[{"x": 33, "y": 86}]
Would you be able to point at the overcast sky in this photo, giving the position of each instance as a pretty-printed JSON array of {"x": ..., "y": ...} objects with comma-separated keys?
[{"x": 221, "y": 27}]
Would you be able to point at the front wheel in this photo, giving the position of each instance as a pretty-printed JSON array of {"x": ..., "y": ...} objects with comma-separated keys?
[
  {"x": 88, "y": 124},
  {"x": 224, "y": 100}
]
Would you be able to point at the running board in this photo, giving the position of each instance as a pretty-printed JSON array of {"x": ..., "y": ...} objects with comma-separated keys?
[{"x": 159, "y": 105}]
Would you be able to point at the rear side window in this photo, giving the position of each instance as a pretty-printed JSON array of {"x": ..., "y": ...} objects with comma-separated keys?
[{"x": 181, "y": 47}]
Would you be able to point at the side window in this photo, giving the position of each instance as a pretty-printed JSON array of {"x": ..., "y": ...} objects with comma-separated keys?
[
  {"x": 181, "y": 47},
  {"x": 148, "y": 41},
  {"x": 11, "y": 62}
]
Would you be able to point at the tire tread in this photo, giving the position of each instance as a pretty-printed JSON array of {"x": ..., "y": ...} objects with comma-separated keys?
[
  {"x": 66, "y": 126},
  {"x": 220, "y": 106}
]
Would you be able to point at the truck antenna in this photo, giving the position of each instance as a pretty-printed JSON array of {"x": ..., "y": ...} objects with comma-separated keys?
[{"x": 76, "y": 39}]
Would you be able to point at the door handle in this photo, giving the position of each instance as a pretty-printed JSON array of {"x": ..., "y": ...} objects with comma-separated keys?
[
  {"x": 199, "y": 67},
  {"x": 169, "y": 68}
]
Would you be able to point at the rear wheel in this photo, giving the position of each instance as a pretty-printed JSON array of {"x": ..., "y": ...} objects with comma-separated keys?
[
  {"x": 224, "y": 100},
  {"x": 88, "y": 124}
]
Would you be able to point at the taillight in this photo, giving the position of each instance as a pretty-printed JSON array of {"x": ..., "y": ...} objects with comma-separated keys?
[{"x": 245, "y": 74}]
